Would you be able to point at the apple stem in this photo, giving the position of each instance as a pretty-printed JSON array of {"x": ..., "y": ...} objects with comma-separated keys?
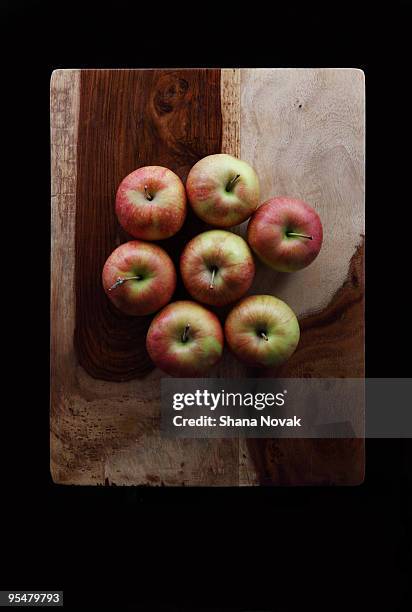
[
  {"x": 213, "y": 278},
  {"x": 231, "y": 183},
  {"x": 185, "y": 333},
  {"x": 264, "y": 336},
  {"x": 148, "y": 195},
  {"x": 120, "y": 281},
  {"x": 299, "y": 235}
]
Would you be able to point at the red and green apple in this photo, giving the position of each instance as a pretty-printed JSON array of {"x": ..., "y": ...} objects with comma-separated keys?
[
  {"x": 139, "y": 278},
  {"x": 151, "y": 203},
  {"x": 222, "y": 190},
  {"x": 285, "y": 233},
  {"x": 217, "y": 267},
  {"x": 262, "y": 331},
  {"x": 185, "y": 339}
]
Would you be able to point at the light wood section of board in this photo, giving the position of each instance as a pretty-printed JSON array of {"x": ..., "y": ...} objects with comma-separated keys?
[
  {"x": 304, "y": 132},
  {"x": 230, "y": 103},
  {"x": 64, "y": 114}
]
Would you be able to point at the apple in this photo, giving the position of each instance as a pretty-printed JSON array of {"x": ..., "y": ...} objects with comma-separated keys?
[
  {"x": 151, "y": 203},
  {"x": 139, "y": 277},
  {"x": 285, "y": 233},
  {"x": 262, "y": 331},
  {"x": 185, "y": 339},
  {"x": 222, "y": 190},
  {"x": 217, "y": 267}
]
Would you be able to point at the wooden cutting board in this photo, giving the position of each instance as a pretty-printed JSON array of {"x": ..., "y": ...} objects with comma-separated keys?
[{"x": 303, "y": 132}]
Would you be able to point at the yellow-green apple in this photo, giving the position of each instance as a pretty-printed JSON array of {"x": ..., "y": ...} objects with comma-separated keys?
[
  {"x": 151, "y": 203},
  {"x": 217, "y": 267},
  {"x": 285, "y": 233},
  {"x": 185, "y": 339},
  {"x": 262, "y": 331},
  {"x": 222, "y": 190},
  {"x": 139, "y": 277}
]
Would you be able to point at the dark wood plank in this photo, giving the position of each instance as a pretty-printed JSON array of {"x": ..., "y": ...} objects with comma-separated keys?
[{"x": 130, "y": 119}]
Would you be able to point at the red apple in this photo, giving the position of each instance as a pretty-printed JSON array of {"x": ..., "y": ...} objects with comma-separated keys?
[
  {"x": 151, "y": 203},
  {"x": 185, "y": 339},
  {"x": 139, "y": 278},
  {"x": 262, "y": 331},
  {"x": 222, "y": 190},
  {"x": 217, "y": 267},
  {"x": 285, "y": 233}
]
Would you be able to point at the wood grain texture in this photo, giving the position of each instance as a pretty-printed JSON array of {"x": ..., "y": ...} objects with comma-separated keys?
[
  {"x": 230, "y": 104},
  {"x": 332, "y": 344},
  {"x": 106, "y": 394},
  {"x": 128, "y": 119},
  {"x": 64, "y": 114},
  {"x": 304, "y": 130},
  {"x": 101, "y": 431}
]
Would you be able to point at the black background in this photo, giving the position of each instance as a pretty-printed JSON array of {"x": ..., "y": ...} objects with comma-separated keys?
[{"x": 133, "y": 548}]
